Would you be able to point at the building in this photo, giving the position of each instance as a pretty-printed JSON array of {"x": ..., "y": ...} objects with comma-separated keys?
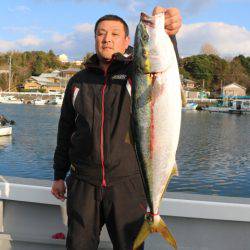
[
  {"x": 63, "y": 58},
  {"x": 54, "y": 76},
  {"x": 68, "y": 73},
  {"x": 233, "y": 89},
  {"x": 37, "y": 83},
  {"x": 188, "y": 84},
  {"x": 55, "y": 81},
  {"x": 196, "y": 94},
  {"x": 47, "y": 82},
  {"x": 78, "y": 62}
]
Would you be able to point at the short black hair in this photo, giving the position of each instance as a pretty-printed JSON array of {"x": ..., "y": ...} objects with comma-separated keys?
[{"x": 111, "y": 17}]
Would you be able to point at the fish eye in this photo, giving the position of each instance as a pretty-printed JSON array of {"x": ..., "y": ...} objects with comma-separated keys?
[
  {"x": 144, "y": 52},
  {"x": 145, "y": 36}
]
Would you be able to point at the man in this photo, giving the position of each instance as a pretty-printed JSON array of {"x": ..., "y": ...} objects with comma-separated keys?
[{"x": 94, "y": 142}]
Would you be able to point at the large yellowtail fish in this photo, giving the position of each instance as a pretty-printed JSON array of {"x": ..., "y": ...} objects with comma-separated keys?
[{"x": 156, "y": 108}]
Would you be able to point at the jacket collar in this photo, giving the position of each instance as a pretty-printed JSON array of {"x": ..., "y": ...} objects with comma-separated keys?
[{"x": 118, "y": 60}]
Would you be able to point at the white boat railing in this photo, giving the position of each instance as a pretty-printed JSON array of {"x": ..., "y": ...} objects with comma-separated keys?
[{"x": 30, "y": 214}]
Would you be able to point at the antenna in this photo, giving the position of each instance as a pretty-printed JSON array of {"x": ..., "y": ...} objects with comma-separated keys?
[{"x": 9, "y": 72}]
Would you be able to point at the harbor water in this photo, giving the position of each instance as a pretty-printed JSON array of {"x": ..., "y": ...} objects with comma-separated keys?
[{"x": 213, "y": 155}]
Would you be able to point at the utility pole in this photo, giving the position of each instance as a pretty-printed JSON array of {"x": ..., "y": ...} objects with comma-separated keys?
[
  {"x": 10, "y": 72},
  {"x": 221, "y": 87}
]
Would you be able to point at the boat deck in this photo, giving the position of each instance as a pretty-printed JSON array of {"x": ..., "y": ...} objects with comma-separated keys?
[{"x": 30, "y": 215}]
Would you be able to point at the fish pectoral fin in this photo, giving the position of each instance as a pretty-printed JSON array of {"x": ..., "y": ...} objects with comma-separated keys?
[
  {"x": 175, "y": 170},
  {"x": 157, "y": 89},
  {"x": 166, "y": 234},
  {"x": 142, "y": 235}
]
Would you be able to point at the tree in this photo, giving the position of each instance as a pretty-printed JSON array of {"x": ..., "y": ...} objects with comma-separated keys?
[
  {"x": 38, "y": 67},
  {"x": 52, "y": 60},
  {"x": 237, "y": 73},
  {"x": 245, "y": 62},
  {"x": 200, "y": 68}
]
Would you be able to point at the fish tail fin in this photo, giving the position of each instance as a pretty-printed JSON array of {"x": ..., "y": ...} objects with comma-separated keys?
[
  {"x": 154, "y": 224},
  {"x": 142, "y": 235},
  {"x": 166, "y": 234}
]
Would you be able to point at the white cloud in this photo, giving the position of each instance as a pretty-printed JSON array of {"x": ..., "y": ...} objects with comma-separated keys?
[
  {"x": 130, "y": 5},
  {"x": 74, "y": 44},
  {"x": 20, "y": 8},
  {"x": 6, "y": 45},
  {"x": 58, "y": 38},
  {"x": 190, "y": 7},
  {"x": 229, "y": 40},
  {"x": 84, "y": 27},
  {"x": 29, "y": 41},
  {"x": 20, "y": 29}
]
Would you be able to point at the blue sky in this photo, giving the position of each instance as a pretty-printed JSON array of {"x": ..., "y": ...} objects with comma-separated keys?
[{"x": 66, "y": 26}]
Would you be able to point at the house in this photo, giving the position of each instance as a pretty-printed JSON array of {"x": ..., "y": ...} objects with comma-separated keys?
[
  {"x": 55, "y": 81},
  {"x": 54, "y": 87},
  {"x": 54, "y": 76},
  {"x": 78, "y": 62},
  {"x": 233, "y": 89},
  {"x": 42, "y": 83},
  {"x": 188, "y": 84},
  {"x": 196, "y": 94},
  {"x": 68, "y": 73}
]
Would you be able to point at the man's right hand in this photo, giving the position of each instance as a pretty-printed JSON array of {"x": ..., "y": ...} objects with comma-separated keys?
[{"x": 58, "y": 189}]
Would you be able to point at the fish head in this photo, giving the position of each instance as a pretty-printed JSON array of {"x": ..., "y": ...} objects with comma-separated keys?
[
  {"x": 154, "y": 52},
  {"x": 141, "y": 49}
]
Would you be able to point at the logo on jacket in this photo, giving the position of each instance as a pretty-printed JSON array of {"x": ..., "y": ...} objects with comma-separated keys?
[
  {"x": 75, "y": 93},
  {"x": 119, "y": 77}
]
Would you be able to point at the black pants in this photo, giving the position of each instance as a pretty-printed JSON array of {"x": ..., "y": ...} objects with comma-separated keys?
[{"x": 90, "y": 207}]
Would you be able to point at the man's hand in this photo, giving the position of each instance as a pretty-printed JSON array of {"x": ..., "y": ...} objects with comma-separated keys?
[
  {"x": 173, "y": 19},
  {"x": 58, "y": 189}
]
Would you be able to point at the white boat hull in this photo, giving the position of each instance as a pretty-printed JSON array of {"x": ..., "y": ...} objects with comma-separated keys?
[
  {"x": 10, "y": 100},
  {"x": 190, "y": 106},
  {"x": 5, "y": 130},
  {"x": 39, "y": 102}
]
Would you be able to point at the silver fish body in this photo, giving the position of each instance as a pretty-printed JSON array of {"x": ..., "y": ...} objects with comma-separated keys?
[{"x": 156, "y": 109}]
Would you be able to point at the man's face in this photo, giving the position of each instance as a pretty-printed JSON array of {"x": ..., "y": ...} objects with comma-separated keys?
[{"x": 110, "y": 38}]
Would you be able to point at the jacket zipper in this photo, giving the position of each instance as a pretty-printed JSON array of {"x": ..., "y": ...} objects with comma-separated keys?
[{"x": 104, "y": 183}]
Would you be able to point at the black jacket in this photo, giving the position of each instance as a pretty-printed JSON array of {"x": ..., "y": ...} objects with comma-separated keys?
[
  {"x": 94, "y": 132},
  {"x": 94, "y": 127}
]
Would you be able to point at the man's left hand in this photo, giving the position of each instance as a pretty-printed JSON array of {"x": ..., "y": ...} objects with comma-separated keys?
[{"x": 173, "y": 19}]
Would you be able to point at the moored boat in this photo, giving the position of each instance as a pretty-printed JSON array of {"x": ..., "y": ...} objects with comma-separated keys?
[
  {"x": 10, "y": 100},
  {"x": 39, "y": 102},
  {"x": 190, "y": 106},
  {"x": 217, "y": 109},
  {"x": 5, "y": 130},
  {"x": 231, "y": 107},
  {"x": 57, "y": 101}
]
